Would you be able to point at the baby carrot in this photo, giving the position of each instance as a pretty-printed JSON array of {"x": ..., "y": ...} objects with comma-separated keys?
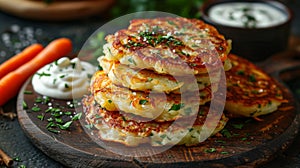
[
  {"x": 16, "y": 61},
  {"x": 12, "y": 82}
]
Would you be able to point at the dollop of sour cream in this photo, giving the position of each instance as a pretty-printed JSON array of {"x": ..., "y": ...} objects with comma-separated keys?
[
  {"x": 247, "y": 14},
  {"x": 64, "y": 78}
]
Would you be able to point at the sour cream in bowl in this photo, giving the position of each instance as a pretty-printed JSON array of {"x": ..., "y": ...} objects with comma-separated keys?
[
  {"x": 247, "y": 14},
  {"x": 63, "y": 79},
  {"x": 257, "y": 28}
]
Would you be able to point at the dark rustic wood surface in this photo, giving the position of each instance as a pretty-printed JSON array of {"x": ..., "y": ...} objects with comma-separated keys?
[
  {"x": 15, "y": 143},
  {"x": 253, "y": 145}
]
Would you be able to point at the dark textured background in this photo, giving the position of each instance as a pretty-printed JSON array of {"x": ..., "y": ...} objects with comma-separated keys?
[{"x": 13, "y": 140}]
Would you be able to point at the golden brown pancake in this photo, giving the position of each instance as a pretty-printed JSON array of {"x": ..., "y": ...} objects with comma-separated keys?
[
  {"x": 152, "y": 105},
  {"x": 147, "y": 80},
  {"x": 176, "y": 46},
  {"x": 115, "y": 127},
  {"x": 250, "y": 91}
]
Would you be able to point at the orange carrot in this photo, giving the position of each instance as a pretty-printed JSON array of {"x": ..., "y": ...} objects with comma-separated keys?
[
  {"x": 16, "y": 61},
  {"x": 12, "y": 82}
]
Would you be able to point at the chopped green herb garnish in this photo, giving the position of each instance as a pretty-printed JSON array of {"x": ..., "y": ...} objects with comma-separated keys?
[
  {"x": 43, "y": 74},
  {"x": 224, "y": 152},
  {"x": 22, "y": 166},
  {"x": 149, "y": 79},
  {"x": 35, "y": 109},
  {"x": 65, "y": 126},
  {"x": 201, "y": 112},
  {"x": 176, "y": 107},
  {"x": 240, "y": 72},
  {"x": 100, "y": 68},
  {"x": 50, "y": 124},
  {"x": 77, "y": 117},
  {"x": 210, "y": 150},
  {"x": 152, "y": 38},
  {"x": 244, "y": 138},
  {"x": 131, "y": 60},
  {"x": 89, "y": 76},
  {"x": 193, "y": 64},
  {"x": 46, "y": 99},
  {"x": 50, "y": 109},
  {"x": 56, "y": 120},
  {"x": 252, "y": 78},
  {"x": 57, "y": 114},
  {"x": 27, "y": 92},
  {"x": 53, "y": 130},
  {"x": 109, "y": 101},
  {"x": 56, "y": 110},
  {"x": 59, "y": 120},
  {"x": 238, "y": 126},
  {"x": 226, "y": 133},
  {"x": 62, "y": 76},
  {"x": 191, "y": 129},
  {"x": 66, "y": 85},
  {"x": 25, "y": 106},
  {"x": 68, "y": 113},
  {"x": 158, "y": 142},
  {"x": 143, "y": 102},
  {"x": 109, "y": 51},
  {"x": 123, "y": 118},
  {"x": 73, "y": 65},
  {"x": 38, "y": 100},
  {"x": 178, "y": 43},
  {"x": 17, "y": 159},
  {"x": 41, "y": 117},
  {"x": 259, "y": 105}
]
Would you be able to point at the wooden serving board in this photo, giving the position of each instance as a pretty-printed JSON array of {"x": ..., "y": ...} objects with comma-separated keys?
[
  {"x": 256, "y": 143},
  {"x": 60, "y": 10}
]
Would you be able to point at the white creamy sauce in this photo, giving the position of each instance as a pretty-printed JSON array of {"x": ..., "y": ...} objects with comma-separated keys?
[
  {"x": 247, "y": 14},
  {"x": 64, "y": 78}
]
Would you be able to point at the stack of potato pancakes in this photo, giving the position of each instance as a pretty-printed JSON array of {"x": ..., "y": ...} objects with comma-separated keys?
[{"x": 158, "y": 79}]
